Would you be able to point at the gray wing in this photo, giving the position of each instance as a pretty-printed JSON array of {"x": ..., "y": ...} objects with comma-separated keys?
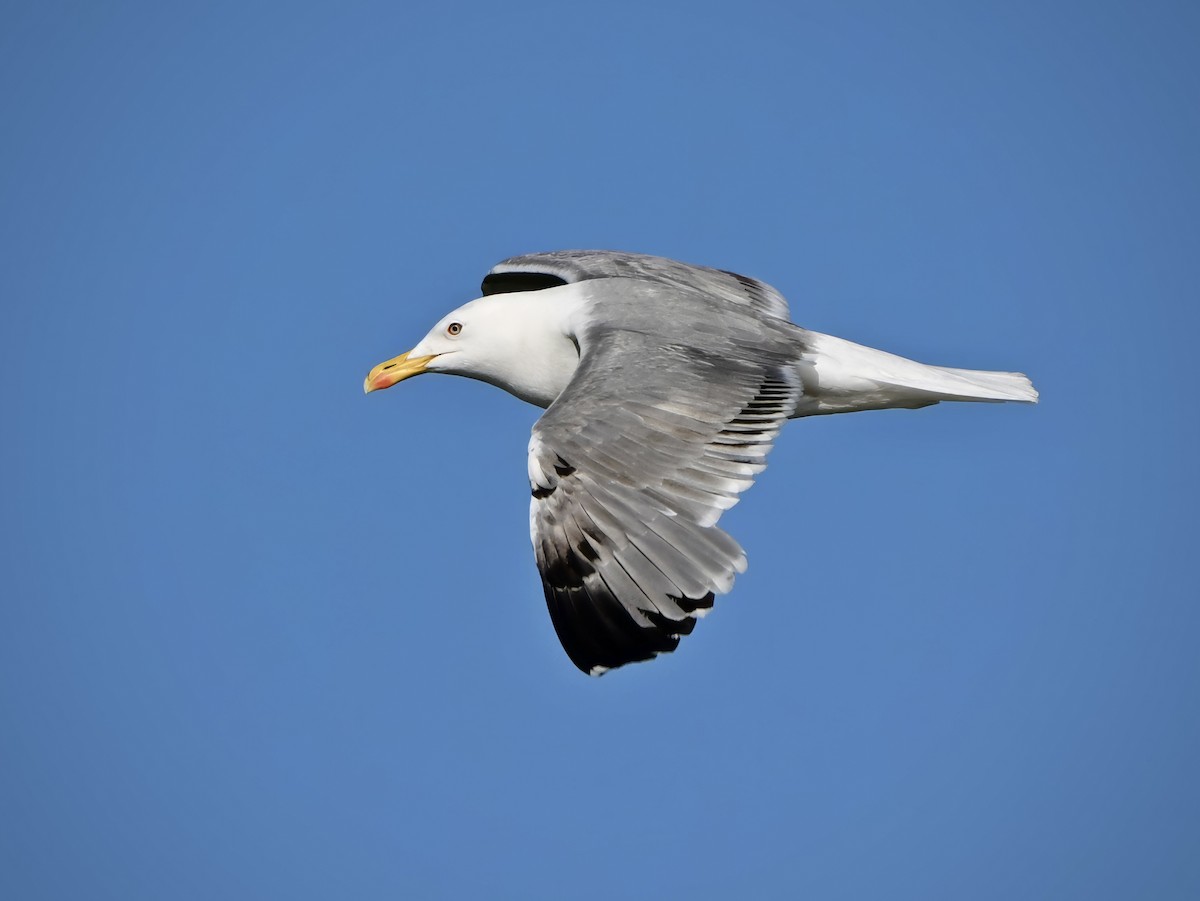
[
  {"x": 632, "y": 466},
  {"x": 543, "y": 270}
]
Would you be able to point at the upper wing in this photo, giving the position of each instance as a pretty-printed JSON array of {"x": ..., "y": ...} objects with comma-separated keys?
[
  {"x": 634, "y": 463},
  {"x": 542, "y": 270}
]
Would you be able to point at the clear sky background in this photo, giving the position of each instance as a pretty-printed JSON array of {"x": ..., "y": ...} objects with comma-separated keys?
[{"x": 264, "y": 637}]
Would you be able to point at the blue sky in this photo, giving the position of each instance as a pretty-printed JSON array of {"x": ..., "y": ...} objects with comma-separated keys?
[{"x": 262, "y": 636}]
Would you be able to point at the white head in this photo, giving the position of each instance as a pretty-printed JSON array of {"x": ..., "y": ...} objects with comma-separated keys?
[{"x": 518, "y": 342}]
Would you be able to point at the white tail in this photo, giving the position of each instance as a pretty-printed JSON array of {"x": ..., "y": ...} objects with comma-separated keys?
[{"x": 840, "y": 376}]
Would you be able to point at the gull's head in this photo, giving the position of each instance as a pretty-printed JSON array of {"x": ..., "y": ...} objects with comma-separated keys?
[
  {"x": 521, "y": 342},
  {"x": 469, "y": 341}
]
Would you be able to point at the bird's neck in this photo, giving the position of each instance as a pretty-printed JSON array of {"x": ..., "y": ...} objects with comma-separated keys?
[{"x": 542, "y": 352}]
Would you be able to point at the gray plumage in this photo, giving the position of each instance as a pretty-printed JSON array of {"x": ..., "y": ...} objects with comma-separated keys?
[{"x": 625, "y": 531}]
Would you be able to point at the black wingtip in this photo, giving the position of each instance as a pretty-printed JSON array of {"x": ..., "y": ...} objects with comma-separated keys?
[
  {"x": 512, "y": 282},
  {"x": 599, "y": 634}
]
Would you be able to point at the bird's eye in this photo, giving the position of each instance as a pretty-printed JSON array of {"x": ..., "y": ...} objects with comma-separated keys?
[{"x": 453, "y": 329}]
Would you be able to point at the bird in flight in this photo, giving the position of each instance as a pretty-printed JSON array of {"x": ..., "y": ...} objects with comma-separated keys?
[{"x": 665, "y": 385}]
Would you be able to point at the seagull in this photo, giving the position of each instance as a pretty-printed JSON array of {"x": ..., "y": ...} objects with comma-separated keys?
[{"x": 665, "y": 385}]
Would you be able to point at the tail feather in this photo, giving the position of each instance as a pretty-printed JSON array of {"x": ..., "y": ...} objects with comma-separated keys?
[
  {"x": 840, "y": 376},
  {"x": 986, "y": 385}
]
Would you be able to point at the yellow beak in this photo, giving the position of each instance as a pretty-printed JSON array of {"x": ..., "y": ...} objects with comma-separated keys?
[{"x": 395, "y": 370}]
